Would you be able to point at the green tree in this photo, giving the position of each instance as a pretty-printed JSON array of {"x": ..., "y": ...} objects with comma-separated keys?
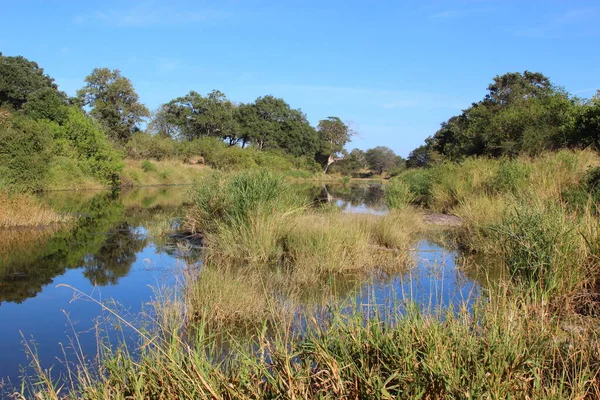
[
  {"x": 381, "y": 159},
  {"x": 113, "y": 102},
  {"x": 270, "y": 123},
  {"x": 333, "y": 136},
  {"x": 20, "y": 79},
  {"x": 161, "y": 125},
  {"x": 420, "y": 157},
  {"x": 521, "y": 113},
  {"x": 196, "y": 116},
  {"x": 47, "y": 104}
]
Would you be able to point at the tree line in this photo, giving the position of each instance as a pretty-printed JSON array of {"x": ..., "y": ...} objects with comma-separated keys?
[{"x": 522, "y": 113}]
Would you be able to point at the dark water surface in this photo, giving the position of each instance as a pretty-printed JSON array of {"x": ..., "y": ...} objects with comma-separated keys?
[{"x": 113, "y": 251}]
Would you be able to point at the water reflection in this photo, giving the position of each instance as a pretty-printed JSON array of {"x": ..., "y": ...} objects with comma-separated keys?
[
  {"x": 361, "y": 199},
  {"x": 106, "y": 251}
]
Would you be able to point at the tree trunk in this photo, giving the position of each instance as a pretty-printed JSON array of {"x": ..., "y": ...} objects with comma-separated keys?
[{"x": 330, "y": 161}]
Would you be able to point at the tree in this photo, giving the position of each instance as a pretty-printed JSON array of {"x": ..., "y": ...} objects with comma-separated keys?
[
  {"x": 196, "y": 116},
  {"x": 381, "y": 159},
  {"x": 113, "y": 102},
  {"x": 161, "y": 125},
  {"x": 333, "y": 136},
  {"x": 20, "y": 79},
  {"x": 521, "y": 113},
  {"x": 270, "y": 123},
  {"x": 419, "y": 157}
]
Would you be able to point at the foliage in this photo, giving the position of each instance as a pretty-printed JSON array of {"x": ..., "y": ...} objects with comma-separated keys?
[
  {"x": 25, "y": 152},
  {"x": 398, "y": 194},
  {"x": 333, "y": 136},
  {"x": 143, "y": 145},
  {"x": 231, "y": 200},
  {"x": 113, "y": 102},
  {"x": 20, "y": 79},
  {"x": 194, "y": 116},
  {"x": 382, "y": 159},
  {"x": 523, "y": 113},
  {"x": 92, "y": 148},
  {"x": 270, "y": 123}
]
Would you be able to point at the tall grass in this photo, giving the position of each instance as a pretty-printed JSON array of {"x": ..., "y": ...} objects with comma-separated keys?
[
  {"x": 503, "y": 349},
  {"x": 24, "y": 210}
]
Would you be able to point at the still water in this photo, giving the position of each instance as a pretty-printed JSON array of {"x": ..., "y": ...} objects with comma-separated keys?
[{"x": 113, "y": 252}]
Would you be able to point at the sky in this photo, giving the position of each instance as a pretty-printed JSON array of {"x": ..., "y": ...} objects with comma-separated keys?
[{"x": 394, "y": 69}]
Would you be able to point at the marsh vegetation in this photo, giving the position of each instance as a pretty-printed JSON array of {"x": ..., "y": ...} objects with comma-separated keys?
[{"x": 292, "y": 281}]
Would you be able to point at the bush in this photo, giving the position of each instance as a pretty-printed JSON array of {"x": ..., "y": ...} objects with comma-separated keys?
[
  {"x": 142, "y": 145},
  {"x": 148, "y": 166},
  {"x": 25, "y": 152},
  {"x": 398, "y": 194},
  {"x": 95, "y": 155},
  {"x": 231, "y": 200},
  {"x": 420, "y": 183},
  {"x": 511, "y": 178},
  {"x": 205, "y": 147}
]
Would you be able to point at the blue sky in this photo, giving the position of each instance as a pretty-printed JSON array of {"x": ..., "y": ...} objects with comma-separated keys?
[{"x": 395, "y": 69}]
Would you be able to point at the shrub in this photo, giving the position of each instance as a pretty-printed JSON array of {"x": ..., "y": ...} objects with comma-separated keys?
[
  {"x": 511, "y": 178},
  {"x": 148, "y": 166},
  {"x": 398, "y": 194},
  {"x": 231, "y": 200},
  {"x": 25, "y": 152},
  {"x": 94, "y": 153},
  {"x": 420, "y": 183},
  {"x": 143, "y": 145}
]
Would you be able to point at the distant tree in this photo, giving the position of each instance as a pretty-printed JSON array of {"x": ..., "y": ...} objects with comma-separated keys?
[
  {"x": 196, "y": 116},
  {"x": 20, "y": 79},
  {"x": 419, "y": 157},
  {"x": 161, "y": 125},
  {"x": 517, "y": 87},
  {"x": 521, "y": 113},
  {"x": 381, "y": 159},
  {"x": 270, "y": 123},
  {"x": 113, "y": 102},
  {"x": 333, "y": 136}
]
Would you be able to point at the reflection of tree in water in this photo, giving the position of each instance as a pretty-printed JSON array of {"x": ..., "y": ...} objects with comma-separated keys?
[
  {"x": 30, "y": 265},
  {"x": 357, "y": 195},
  {"x": 115, "y": 257}
]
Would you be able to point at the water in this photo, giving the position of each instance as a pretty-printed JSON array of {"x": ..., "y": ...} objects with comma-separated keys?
[
  {"x": 112, "y": 252},
  {"x": 108, "y": 253}
]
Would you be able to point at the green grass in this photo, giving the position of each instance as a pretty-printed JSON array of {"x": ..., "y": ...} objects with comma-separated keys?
[{"x": 272, "y": 265}]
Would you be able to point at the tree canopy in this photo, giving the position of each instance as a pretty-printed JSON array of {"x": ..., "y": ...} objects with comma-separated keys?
[
  {"x": 113, "y": 102},
  {"x": 333, "y": 136},
  {"x": 20, "y": 79}
]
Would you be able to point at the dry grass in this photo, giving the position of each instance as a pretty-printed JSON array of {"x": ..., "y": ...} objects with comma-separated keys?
[
  {"x": 165, "y": 172},
  {"x": 23, "y": 210}
]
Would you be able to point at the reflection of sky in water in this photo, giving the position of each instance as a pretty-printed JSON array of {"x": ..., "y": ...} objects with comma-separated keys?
[
  {"x": 434, "y": 283},
  {"x": 360, "y": 209},
  {"x": 42, "y": 316}
]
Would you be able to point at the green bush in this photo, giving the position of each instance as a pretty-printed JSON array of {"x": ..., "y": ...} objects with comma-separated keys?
[
  {"x": 148, "y": 166},
  {"x": 420, "y": 183},
  {"x": 511, "y": 178},
  {"x": 539, "y": 245},
  {"x": 142, "y": 145},
  {"x": 25, "y": 153},
  {"x": 231, "y": 159},
  {"x": 232, "y": 199},
  {"x": 398, "y": 194},
  {"x": 205, "y": 147},
  {"x": 94, "y": 153}
]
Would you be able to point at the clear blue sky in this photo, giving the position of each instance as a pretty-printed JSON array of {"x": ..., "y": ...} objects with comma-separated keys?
[{"x": 395, "y": 69}]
